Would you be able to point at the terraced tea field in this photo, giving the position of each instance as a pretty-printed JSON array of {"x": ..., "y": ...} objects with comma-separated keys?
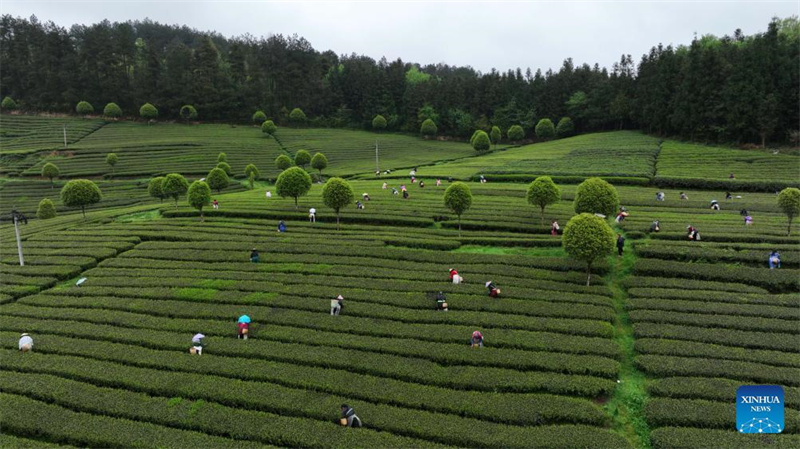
[{"x": 649, "y": 356}]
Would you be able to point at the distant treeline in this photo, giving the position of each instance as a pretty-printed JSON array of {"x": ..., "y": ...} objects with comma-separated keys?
[{"x": 730, "y": 89}]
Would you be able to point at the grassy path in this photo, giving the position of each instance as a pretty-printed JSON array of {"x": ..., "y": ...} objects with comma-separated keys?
[{"x": 627, "y": 403}]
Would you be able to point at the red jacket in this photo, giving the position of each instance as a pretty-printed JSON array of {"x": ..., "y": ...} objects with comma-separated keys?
[{"x": 453, "y": 273}]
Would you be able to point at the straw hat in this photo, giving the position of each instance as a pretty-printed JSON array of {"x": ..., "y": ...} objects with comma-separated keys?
[
  {"x": 25, "y": 335},
  {"x": 339, "y": 297}
]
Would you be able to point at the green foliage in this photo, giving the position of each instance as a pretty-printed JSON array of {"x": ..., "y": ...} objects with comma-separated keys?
[
  {"x": 217, "y": 179},
  {"x": 596, "y": 196},
  {"x": 268, "y": 127},
  {"x": 199, "y": 193},
  {"x": 259, "y": 117},
  {"x": 112, "y": 111},
  {"x": 516, "y": 133},
  {"x": 84, "y": 108},
  {"x": 789, "y": 203},
  {"x": 495, "y": 135},
  {"x": 379, "y": 122},
  {"x": 148, "y": 112},
  {"x": 226, "y": 167},
  {"x": 480, "y": 141},
  {"x": 336, "y": 194},
  {"x": 414, "y": 76},
  {"x": 188, "y": 112},
  {"x": 173, "y": 186},
  {"x": 50, "y": 171},
  {"x": 46, "y": 209},
  {"x": 565, "y": 127},
  {"x": 80, "y": 193},
  {"x": 154, "y": 188},
  {"x": 294, "y": 182},
  {"x": 545, "y": 129},
  {"x": 251, "y": 173},
  {"x": 543, "y": 192},
  {"x": 111, "y": 160},
  {"x": 283, "y": 162},
  {"x": 302, "y": 158},
  {"x": 222, "y": 157},
  {"x": 297, "y": 116},
  {"x": 458, "y": 198},
  {"x": 428, "y": 128},
  {"x": 776, "y": 281},
  {"x": 8, "y": 104},
  {"x": 588, "y": 238},
  {"x": 319, "y": 162}
]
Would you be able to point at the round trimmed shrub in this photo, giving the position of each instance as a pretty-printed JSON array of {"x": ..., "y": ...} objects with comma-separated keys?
[
  {"x": 319, "y": 162},
  {"x": 8, "y": 104},
  {"x": 283, "y": 162},
  {"x": 596, "y": 196},
  {"x": 297, "y": 116},
  {"x": 259, "y": 117},
  {"x": 545, "y": 129},
  {"x": 515, "y": 133},
  {"x": 199, "y": 195},
  {"x": 84, "y": 108},
  {"x": 46, "y": 209},
  {"x": 80, "y": 193},
  {"x": 222, "y": 157},
  {"x": 112, "y": 111},
  {"x": 789, "y": 204},
  {"x": 173, "y": 186},
  {"x": 480, "y": 141},
  {"x": 302, "y": 158},
  {"x": 336, "y": 194},
  {"x": 565, "y": 127},
  {"x": 293, "y": 182},
  {"x": 154, "y": 188},
  {"x": 148, "y": 112},
  {"x": 458, "y": 198},
  {"x": 543, "y": 192},
  {"x": 224, "y": 166},
  {"x": 588, "y": 238},
  {"x": 268, "y": 127},
  {"x": 428, "y": 128},
  {"x": 379, "y": 122},
  {"x": 188, "y": 112},
  {"x": 50, "y": 171},
  {"x": 217, "y": 179},
  {"x": 495, "y": 135}
]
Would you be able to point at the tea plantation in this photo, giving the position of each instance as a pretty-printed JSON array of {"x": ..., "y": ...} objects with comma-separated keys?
[{"x": 648, "y": 356}]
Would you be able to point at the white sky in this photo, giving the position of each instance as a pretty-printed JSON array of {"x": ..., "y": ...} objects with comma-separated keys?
[{"x": 498, "y": 34}]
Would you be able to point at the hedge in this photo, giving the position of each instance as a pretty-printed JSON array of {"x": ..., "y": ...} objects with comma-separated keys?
[
  {"x": 706, "y": 350},
  {"x": 285, "y": 401},
  {"x": 745, "y": 339},
  {"x": 789, "y": 259},
  {"x": 562, "y": 179},
  {"x": 712, "y": 320},
  {"x": 13, "y": 442},
  {"x": 788, "y": 299},
  {"x": 709, "y": 388},
  {"x": 664, "y": 366},
  {"x": 28, "y": 417},
  {"x": 685, "y": 284},
  {"x": 682, "y": 437},
  {"x": 704, "y": 414},
  {"x": 776, "y": 281},
  {"x": 731, "y": 185},
  {"x": 696, "y": 307}
]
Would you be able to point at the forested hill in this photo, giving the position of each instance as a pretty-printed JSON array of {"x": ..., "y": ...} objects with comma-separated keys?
[{"x": 734, "y": 88}]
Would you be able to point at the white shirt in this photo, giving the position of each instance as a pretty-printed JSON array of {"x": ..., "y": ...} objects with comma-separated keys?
[
  {"x": 312, "y": 211},
  {"x": 26, "y": 340}
]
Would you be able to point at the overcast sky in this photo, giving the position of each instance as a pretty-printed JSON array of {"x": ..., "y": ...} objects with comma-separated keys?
[{"x": 483, "y": 35}]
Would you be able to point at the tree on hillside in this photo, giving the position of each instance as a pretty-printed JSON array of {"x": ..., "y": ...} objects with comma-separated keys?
[
  {"x": 148, "y": 112},
  {"x": 46, "y": 209},
  {"x": 428, "y": 128},
  {"x": 217, "y": 179},
  {"x": 251, "y": 173},
  {"x": 8, "y": 104},
  {"x": 545, "y": 129},
  {"x": 768, "y": 118},
  {"x": 112, "y": 111},
  {"x": 50, "y": 171},
  {"x": 222, "y": 157},
  {"x": 480, "y": 142},
  {"x": 84, "y": 108},
  {"x": 379, "y": 123},
  {"x": 188, "y": 112},
  {"x": 80, "y": 193},
  {"x": 199, "y": 195},
  {"x": 269, "y": 128},
  {"x": 565, "y": 127},
  {"x": 111, "y": 160},
  {"x": 283, "y": 162},
  {"x": 336, "y": 194},
  {"x": 173, "y": 186},
  {"x": 154, "y": 188},
  {"x": 225, "y": 167},
  {"x": 319, "y": 162},
  {"x": 458, "y": 198},
  {"x": 297, "y": 117},
  {"x": 294, "y": 182},
  {"x": 474, "y": 134},
  {"x": 495, "y": 135},
  {"x": 789, "y": 203},
  {"x": 515, "y": 133},
  {"x": 588, "y": 238},
  {"x": 302, "y": 158},
  {"x": 543, "y": 192},
  {"x": 596, "y": 196},
  {"x": 259, "y": 117}
]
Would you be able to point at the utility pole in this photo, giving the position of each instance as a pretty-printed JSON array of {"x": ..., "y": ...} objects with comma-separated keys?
[
  {"x": 377, "y": 165},
  {"x": 17, "y": 217},
  {"x": 65, "y": 136}
]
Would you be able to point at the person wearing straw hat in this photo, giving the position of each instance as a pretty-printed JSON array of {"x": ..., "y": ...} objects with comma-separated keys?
[
  {"x": 197, "y": 344},
  {"x": 477, "y": 339},
  {"x": 337, "y": 305},
  {"x": 25, "y": 343},
  {"x": 455, "y": 277},
  {"x": 349, "y": 417},
  {"x": 244, "y": 327},
  {"x": 254, "y": 256},
  {"x": 493, "y": 290}
]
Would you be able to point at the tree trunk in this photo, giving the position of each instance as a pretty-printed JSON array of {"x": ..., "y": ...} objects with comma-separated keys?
[
  {"x": 588, "y": 273},
  {"x": 337, "y": 220},
  {"x": 83, "y": 210},
  {"x": 763, "y": 140},
  {"x": 789, "y": 230},
  {"x": 201, "y": 215},
  {"x": 459, "y": 226},
  {"x": 295, "y": 202},
  {"x": 543, "y": 216}
]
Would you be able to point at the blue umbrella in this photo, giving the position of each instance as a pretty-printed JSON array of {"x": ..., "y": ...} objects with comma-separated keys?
[{"x": 244, "y": 319}]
